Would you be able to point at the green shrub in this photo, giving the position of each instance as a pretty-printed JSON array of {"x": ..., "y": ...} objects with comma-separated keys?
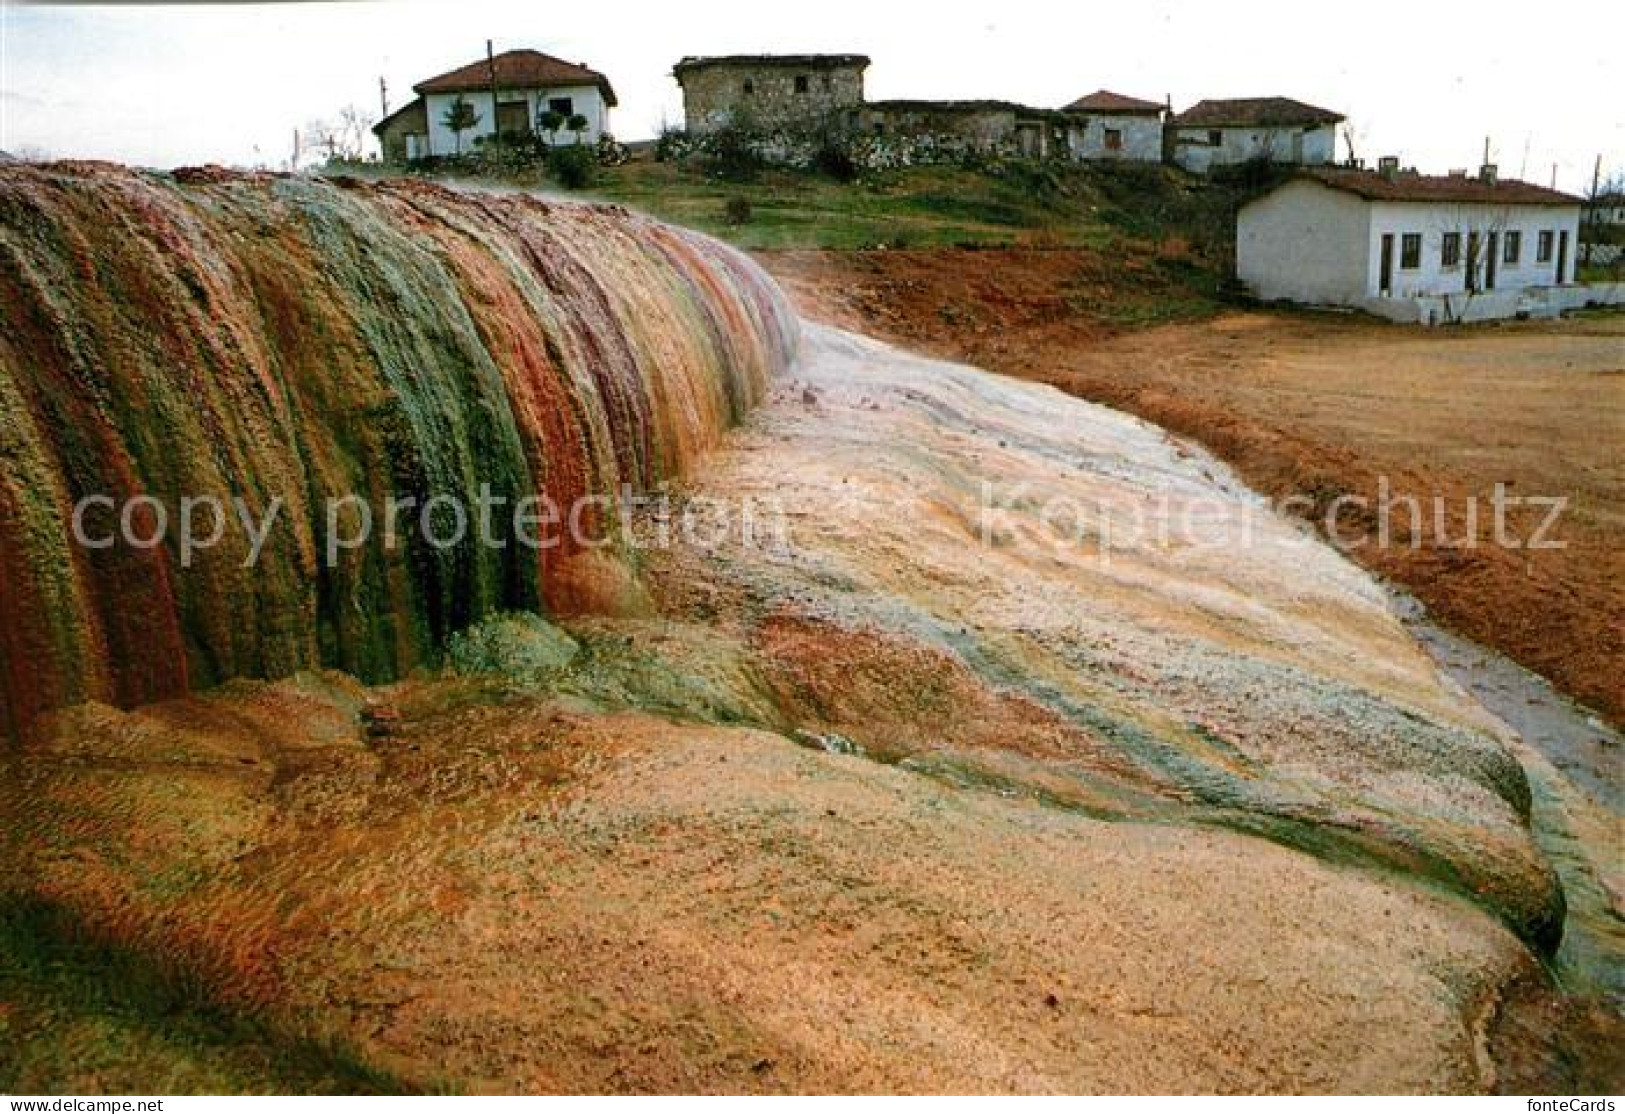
[
  {"x": 574, "y": 167},
  {"x": 731, "y": 154},
  {"x": 834, "y": 158},
  {"x": 672, "y": 144},
  {"x": 737, "y": 211}
]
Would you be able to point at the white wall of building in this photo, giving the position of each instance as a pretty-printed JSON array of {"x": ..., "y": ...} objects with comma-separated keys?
[
  {"x": 1297, "y": 145},
  {"x": 1535, "y": 302},
  {"x": 1305, "y": 243},
  {"x": 587, "y": 100},
  {"x": 1141, "y": 138},
  {"x": 1432, "y": 220}
]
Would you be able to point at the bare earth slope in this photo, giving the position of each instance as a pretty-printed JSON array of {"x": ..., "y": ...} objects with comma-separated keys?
[{"x": 876, "y": 805}]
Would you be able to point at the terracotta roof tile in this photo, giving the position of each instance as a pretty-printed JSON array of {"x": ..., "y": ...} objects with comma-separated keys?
[
  {"x": 415, "y": 106},
  {"x": 1405, "y": 186},
  {"x": 1254, "y": 112},
  {"x": 517, "y": 69},
  {"x": 1104, "y": 100}
]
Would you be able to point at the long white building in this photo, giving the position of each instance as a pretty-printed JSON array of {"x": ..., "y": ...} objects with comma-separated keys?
[{"x": 1413, "y": 247}]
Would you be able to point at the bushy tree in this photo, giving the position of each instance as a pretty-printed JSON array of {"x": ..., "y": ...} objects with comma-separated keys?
[
  {"x": 550, "y": 123},
  {"x": 458, "y": 118},
  {"x": 574, "y": 166}
]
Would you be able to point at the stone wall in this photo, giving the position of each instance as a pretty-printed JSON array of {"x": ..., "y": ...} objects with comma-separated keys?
[
  {"x": 939, "y": 131},
  {"x": 801, "y": 148}
]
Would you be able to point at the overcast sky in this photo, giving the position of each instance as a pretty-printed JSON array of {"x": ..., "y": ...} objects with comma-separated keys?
[{"x": 192, "y": 83}]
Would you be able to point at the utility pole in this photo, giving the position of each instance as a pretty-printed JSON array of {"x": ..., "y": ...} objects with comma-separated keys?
[
  {"x": 491, "y": 72},
  {"x": 383, "y": 98},
  {"x": 1596, "y": 184}
]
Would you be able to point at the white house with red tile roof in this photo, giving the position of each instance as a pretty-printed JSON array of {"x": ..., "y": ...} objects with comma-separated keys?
[
  {"x": 1109, "y": 126},
  {"x": 1229, "y": 132},
  {"x": 528, "y": 85},
  {"x": 1414, "y": 247}
]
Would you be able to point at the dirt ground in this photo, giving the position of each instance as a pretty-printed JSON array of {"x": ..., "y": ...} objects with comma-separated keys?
[{"x": 1321, "y": 406}]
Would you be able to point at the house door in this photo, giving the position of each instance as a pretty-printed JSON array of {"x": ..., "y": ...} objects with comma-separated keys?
[
  {"x": 1386, "y": 285},
  {"x": 513, "y": 118},
  {"x": 1473, "y": 259},
  {"x": 1562, "y": 257},
  {"x": 1492, "y": 260}
]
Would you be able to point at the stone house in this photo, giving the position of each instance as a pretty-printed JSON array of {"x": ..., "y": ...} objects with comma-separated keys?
[
  {"x": 1229, "y": 132},
  {"x": 528, "y": 85},
  {"x": 769, "y": 91},
  {"x": 1413, "y": 247},
  {"x": 1108, "y": 126}
]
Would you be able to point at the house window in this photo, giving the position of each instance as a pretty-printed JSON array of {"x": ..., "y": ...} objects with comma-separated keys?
[
  {"x": 1410, "y": 251},
  {"x": 801, "y": 83},
  {"x": 1450, "y": 250},
  {"x": 1513, "y": 247},
  {"x": 1543, "y": 247},
  {"x": 1114, "y": 139},
  {"x": 750, "y": 88},
  {"x": 1215, "y": 138},
  {"x": 564, "y": 106},
  {"x": 827, "y": 83}
]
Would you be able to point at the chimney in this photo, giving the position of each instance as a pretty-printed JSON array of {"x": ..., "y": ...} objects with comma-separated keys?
[
  {"x": 1388, "y": 167},
  {"x": 1488, "y": 173}
]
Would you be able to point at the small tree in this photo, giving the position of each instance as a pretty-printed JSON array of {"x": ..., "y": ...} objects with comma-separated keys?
[
  {"x": 340, "y": 140},
  {"x": 1476, "y": 234},
  {"x": 458, "y": 118},
  {"x": 550, "y": 123},
  {"x": 577, "y": 125},
  {"x": 355, "y": 125}
]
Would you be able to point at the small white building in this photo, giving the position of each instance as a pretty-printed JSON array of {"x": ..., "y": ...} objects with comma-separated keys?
[
  {"x": 1412, "y": 247},
  {"x": 1110, "y": 127},
  {"x": 1272, "y": 129},
  {"x": 528, "y": 85}
]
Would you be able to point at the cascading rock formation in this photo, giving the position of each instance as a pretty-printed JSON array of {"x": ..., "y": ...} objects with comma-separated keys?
[{"x": 271, "y": 342}]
